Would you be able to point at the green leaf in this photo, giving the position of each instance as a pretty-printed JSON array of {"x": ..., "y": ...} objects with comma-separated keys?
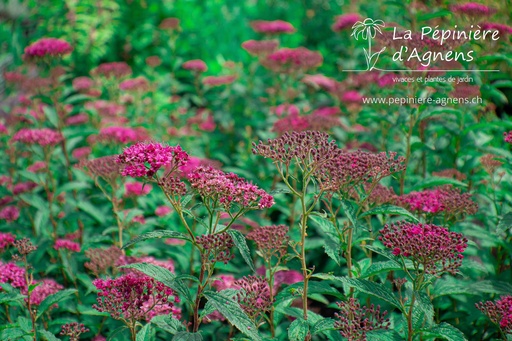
[
  {"x": 298, "y": 330},
  {"x": 314, "y": 287},
  {"x": 322, "y": 326},
  {"x": 41, "y": 220},
  {"x": 234, "y": 313},
  {"x": 437, "y": 181},
  {"x": 448, "y": 286},
  {"x": 53, "y": 299},
  {"x": 164, "y": 276},
  {"x": 10, "y": 297},
  {"x": 423, "y": 313},
  {"x": 157, "y": 234},
  {"x": 492, "y": 287},
  {"x": 332, "y": 244},
  {"x": 12, "y": 333},
  {"x": 186, "y": 336},
  {"x": 72, "y": 186},
  {"x": 372, "y": 288},
  {"x": 92, "y": 210},
  {"x": 47, "y": 335},
  {"x": 145, "y": 334},
  {"x": 380, "y": 267},
  {"x": 391, "y": 210},
  {"x": 241, "y": 244},
  {"x": 349, "y": 210},
  {"x": 384, "y": 335},
  {"x": 505, "y": 223},
  {"x": 167, "y": 323},
  {"x": 113, "y": 334},
  {"x": 445, "y": 331}
]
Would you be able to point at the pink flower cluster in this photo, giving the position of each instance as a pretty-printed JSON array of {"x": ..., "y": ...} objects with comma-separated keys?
[
  {"x": 219, "y": 80},
  {"x": 499, "y": 312},
  {"x": 42, "y": 137},
  {"x": 507, "y": 136},
  {"x": 272, "y": 27},
  {"x": 354, "y": 321},
  {"x": 502, "y": 28},
  {"x": 228, "y": 188},
  {"x": 67, "y": 245},
  {"x": 6, "y": 239},
  {"x": 45, "y": 288},
  {"x": 345, "y": 21},
  {"x": 136, "y": 159},
  {"x": 132, "y": 297},
  {"x": 260, "y": 48},
  {"x": 82, "y": 83},
  {"x": 73, "y": 330},
  {"x": 270, "y": 240},
  {"x": 23, "y": 187},
  {"x": 45, "y": 47},
  {"x": 139, "y": 84},
  {"x": 37, "y": 167},
  {"x": 196, "y": 65},
  {"x": 162, "y": 211},
  {"x": 473, "y": 9},
  {"x": 14, "y": 275},
  {"x": 217, "y": 247},
  {"x": 137, "y": 189},
  {"x": 10, "y": 213},
  {"x": 445, "y": 199},
  {"x": 105, "y": 108},
  {"x": 113, "y": 70},
  {"x": 254, "y": 295},
  {"x": 122, "y": 134},
  {"x": 433, "y": 247},
  {"x": 292, "y": 60}
]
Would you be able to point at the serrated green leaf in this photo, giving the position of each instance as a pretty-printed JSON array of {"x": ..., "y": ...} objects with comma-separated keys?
[
  {"x": 372, "y": 288},
  {"x": 298, "y": 330},
  {"x": 10, "y": 297},
  {"x": 167, "y": 323},
  {"x": 186, "y": 336},
  {"x": 92, "y": 210},
  {"x": 145, "y": 334},
  {"x": 504, "y": 224},
  {"x": 53, "y": 299},
  {"x": 332, "y": 246},
  {"x": 492, "y": 287},
  {"x": 241, "y": 244},
  {"x": 164, "y": 276},
  {"x": 322, "y": 326},
  {"x": 47, "y": 335},
  {"x": 391, "y": 210},
  {"x": 349, "y": 210},
  {"x": 114, "y": 333},
  {"x": 12, "y": 334},
  {"x": 157, "y": 234},
  {"x": 314, "y": 288},
  {"x": 234, "y": 313},
  {"x": 445, "y": 331}
]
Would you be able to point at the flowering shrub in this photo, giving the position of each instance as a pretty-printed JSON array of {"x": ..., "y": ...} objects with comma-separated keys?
[{"x": 230, "y": 170}]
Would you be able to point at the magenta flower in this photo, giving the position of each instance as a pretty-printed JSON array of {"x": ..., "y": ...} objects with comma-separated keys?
[
  {"x": 37, "y": 167},
  {"x": 122, "y": 134},
  {"x": 508, "y": 137},
  {"x": 260, "y": 48},
  {"x": 227, "y": 189},
  {"x": 292, "y": 60},
  {"x": 432, "y": 247},
  {"x": 112, "y": 70},
  {"x": 126, "y": 297},
  {"x": 272, "y": 27},
  {"x": 48, "y": 47},
  {"x": 23, "y": 187},
  {"x": 162, "y": 211},
  {"x": 3, "y": 129},
  {"x": 320, "y": 81},
  {"x": 270, "y": 240},
  {"x": 77, "y": 119},
  {"x": 223, "y": 282},
  {"x": 218, "y": 80},
  {"x": 42, "y": 137},
  {"x": 499, "y": 312},
  {"x": 137, "y": 189},
  {"x": 145, "y": 159},
  {"x": 9, "y": 213},
  {"x": 6, "y": 239},
  {"x": 73, "y": 330},
  {"x": 139, "y": 84},
  {"x": 502, "y": 28},
  {"x": 254, "y": 295},
  {"x": 46, "y": 288},
  {"x": 14, "y": 275},
  {"x": 217, "y": 247},
  {"x": 81, "y": 153},
  {"x": 473, "y": 9},
  {"x": 196, "y": 65},
  {"x": 346, "y": 21},
  {"x": 82, "y": 83},
  {"x": 354, "y": 321},
  {"x": 105, "y": 108},
  {"x": 351, "y": 96},
  {"x": 67, "y": 245},
  {"x": 286, "y": 109}
]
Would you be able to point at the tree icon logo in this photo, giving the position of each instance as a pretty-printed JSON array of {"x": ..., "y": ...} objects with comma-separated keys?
[{"x": 367, "y": 30}]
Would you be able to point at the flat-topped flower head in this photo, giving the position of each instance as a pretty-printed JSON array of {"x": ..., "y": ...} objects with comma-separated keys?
[
  {"x": 346, "y": 21},
  {"x": 354, "y": 321},
  {"x": 432, "y": 247},
  {"x": 507, "y": 136},
  {"x": 14, "y": 275},
  {"x": 9, "y": 213},
  {"x": 293, "y": 60},
  {"x": 137, "y": 189},
  {"x": 73, "y": 330},
  {"x": 144, "y": 159},
  {"x": 272, "y": 27},
  {"x": 270, "y": 240},
  {"x": 228, "y": 189},
  {"x": 126, "y": 297},
  {"x": 112, "y": 70},
  {"x": 102, "y": 260},
  {"x": 218, "y": 80},
  {"x": 47, "y": 47},
  {"x": 42, "y": 137},
  {"x": 138, "y": 84},
  {"x": 473, "y": 9},
  {"x": 260, "y": 48},
  {"x": 66, "y": 245},
  {"x": 217, "y": 247},
  {"x": 501, "y": 28},
  {"x": 122, "y": 135},
  {"x": 254, "y": 295},
  {"x": 105, "y": 167},
  {"x": 499, "y": 312},
  {"x": 45, "y": 288},
  {"x": 6, "y": 240},
  {"x": 196, "y": 65}
]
